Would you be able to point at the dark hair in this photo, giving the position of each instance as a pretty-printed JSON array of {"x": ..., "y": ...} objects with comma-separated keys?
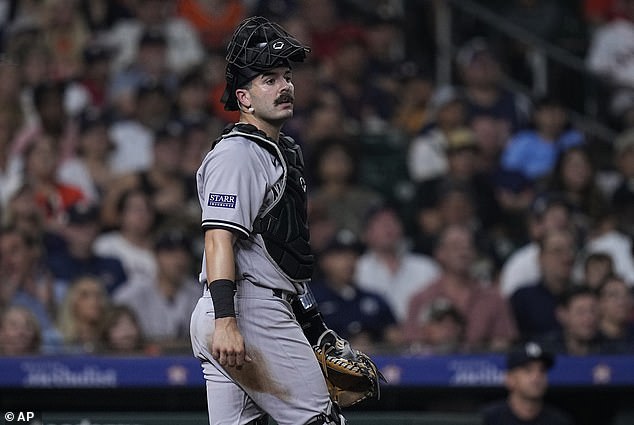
[
  {"x": 598, "y": 256},
  {"x": 607, "y": 279},
  {"x": 574, "y": 291},
  {"x": 111, "y": 316}
]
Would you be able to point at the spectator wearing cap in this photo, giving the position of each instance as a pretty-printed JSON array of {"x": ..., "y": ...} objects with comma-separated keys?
[
  {"x": 481, "y": 76},
  {"x": 149, "y": 67},
  {"x": 415, "y": 87},
  {"x": 388, "y": 266},
  {"x": 535, "y": 304},
  {"x": 169, "y": 189},
  {"x": 95, "y": 78},
  {"x": 90, "y": 168},
  {"x": 526, "y": 381},
  {"x": 488, "y": 319},
  {"x": 164, "y": 304},
  {"x": 427, "y": 156},
  {"x": 362, "y": 317},
  {"x": 184, "y": 48},
  {"x": 434, "y": 203},
  {"x": 534, "y": 151},
  {"x": 548, "y": 212},
  {"x": 623, "y": 196},
  {"x": 76, "y": 256},
  {"x": 442, "y": 329}
]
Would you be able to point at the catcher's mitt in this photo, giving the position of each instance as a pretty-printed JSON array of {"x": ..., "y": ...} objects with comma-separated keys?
[{"x": 350, "y": 374}]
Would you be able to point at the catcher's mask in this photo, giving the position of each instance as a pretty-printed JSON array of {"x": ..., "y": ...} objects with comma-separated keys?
[{"x": 257, "y": 45}]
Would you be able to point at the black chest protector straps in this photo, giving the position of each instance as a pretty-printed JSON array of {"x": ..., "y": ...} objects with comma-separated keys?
[{"x": 284, "y": 223}]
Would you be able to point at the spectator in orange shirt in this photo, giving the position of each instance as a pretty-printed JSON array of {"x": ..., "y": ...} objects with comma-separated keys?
[{"x": 214, "y": 20}]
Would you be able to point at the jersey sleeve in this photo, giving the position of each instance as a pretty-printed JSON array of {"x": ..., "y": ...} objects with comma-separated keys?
[{"x": 232, "y": 184}]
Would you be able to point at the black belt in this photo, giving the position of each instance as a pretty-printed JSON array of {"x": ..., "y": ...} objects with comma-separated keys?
[{"x": 286, "y": 296}]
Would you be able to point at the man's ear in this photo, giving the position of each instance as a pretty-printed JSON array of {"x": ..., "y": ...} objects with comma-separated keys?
[{"x": 244, "y": 98}]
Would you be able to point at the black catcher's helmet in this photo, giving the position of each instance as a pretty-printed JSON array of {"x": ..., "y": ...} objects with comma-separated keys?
[{"x": 257, "y": 45}]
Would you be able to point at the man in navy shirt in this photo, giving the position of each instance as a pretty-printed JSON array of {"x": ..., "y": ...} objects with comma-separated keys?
[
  {"x": 355, "y": 314},
  {"x": 526, "y": 380},
  {"x": 76, "y": 256}
]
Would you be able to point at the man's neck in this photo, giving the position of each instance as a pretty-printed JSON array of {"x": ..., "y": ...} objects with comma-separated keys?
[{"x": 272, "y": 131}]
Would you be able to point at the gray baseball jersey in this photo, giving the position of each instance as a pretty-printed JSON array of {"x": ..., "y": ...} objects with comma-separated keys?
[{"x": 237, "y": 181}]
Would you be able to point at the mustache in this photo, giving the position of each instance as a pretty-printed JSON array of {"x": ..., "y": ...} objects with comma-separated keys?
[{"x": 284, "y": 98}]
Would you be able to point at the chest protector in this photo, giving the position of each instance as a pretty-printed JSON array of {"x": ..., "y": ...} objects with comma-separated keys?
[{"x": 283, "y": 223}]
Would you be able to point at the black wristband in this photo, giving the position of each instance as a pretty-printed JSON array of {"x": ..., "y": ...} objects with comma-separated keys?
[{"x": 222, "y": 291}]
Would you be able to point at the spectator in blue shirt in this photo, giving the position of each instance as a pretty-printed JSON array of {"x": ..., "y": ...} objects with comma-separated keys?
[{"x": 534, "y": 152}]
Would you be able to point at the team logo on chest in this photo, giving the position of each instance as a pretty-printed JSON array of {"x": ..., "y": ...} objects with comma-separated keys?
[
  {"x": 302, "y": 183},
  {"x": 221, "y": 200}
]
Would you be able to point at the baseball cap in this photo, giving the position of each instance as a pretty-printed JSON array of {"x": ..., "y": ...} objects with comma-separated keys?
[
  {"x": 526, "y": 353},
  {"x": 343, "y": 240},
  {"x": 461, "y": 139},
  {"x": 546, "y": 200},
  {"x": 172, "y": 239},
  {"x": 91, "y": 118},
  {"x": 441, "y": 308},
  {"x": 82, "y": 213},
  {"x": 96, "y": 51},
  {"x": 153, "y": 37},
  {"x": 471, "y": 49}
]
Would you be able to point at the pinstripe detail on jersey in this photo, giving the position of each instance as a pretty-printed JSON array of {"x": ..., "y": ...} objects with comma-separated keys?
[{"x": 221, "y": 224}]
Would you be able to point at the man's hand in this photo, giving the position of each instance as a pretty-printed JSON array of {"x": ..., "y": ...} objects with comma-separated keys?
[{"x": 227, "y": 345}]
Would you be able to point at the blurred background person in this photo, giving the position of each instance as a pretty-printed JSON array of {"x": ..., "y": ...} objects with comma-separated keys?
[
  {"x": 616, "y": 312},
  {"x": 388, "y": 267},
  {"x": 534, "y": 152},
  {"x": 442, "y": 330},
  {"x": 75, "y": 256},
  {"x": 25, "y": 280},
  {"x": 548, "y": 213},
  {"x": 526, "y": 381},
  {"x": 20, "y": 333},
  {"x": 362, "y": 317},
  {"x": 577, "y": 313},
  {"x": 131, "y": 242},
  {"x": 184, "y": 48},
  {"x": 336, "y": 186},
  {"x": 163, "y": 304},
  {"x": 623, "y": 196},
  {"x": 120, "y": 332},
  {"x": 81, "y": 313},
  {"x": 535, "y": 304},
  {"x": 596, "y": 268},
  {"x": 489, "y": 324}
]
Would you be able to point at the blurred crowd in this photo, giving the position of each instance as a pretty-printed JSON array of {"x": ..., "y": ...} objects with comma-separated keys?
[{"x": 446, "y": 218}]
